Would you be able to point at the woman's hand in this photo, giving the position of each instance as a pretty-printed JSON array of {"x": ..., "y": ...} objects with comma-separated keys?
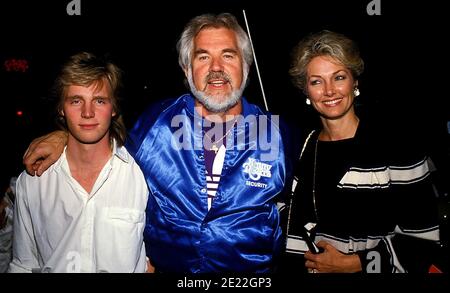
[{"x": 332, "y": 260}]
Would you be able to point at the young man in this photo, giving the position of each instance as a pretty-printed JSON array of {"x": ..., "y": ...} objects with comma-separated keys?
[{"x": 87, "y": 212}]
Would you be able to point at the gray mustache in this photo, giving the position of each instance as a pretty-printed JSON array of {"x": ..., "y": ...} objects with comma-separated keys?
[{"x": 218, "y": 75}]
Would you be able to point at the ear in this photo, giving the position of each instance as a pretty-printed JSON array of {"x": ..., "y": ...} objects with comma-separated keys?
[
  {"x": 61, "y": 113},
  {"x": 186, "y": 70},
  {"x": 356, "y": 84},
  {"x": 113, "y": 114}
]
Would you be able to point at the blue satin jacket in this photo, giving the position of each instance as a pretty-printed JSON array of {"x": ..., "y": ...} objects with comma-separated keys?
[{"x": 241, "y": 231}]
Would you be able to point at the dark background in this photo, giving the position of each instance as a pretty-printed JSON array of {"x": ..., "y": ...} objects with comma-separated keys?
[{"x": 404, "y": 51}]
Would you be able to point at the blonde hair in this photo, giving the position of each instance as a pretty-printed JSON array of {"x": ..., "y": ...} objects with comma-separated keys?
[
  {"x": 86, "y": 69},
  {"x": 324, "y": 43}
]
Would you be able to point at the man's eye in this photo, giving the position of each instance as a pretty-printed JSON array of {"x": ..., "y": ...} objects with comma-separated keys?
[{"x": 100, "y": 101}]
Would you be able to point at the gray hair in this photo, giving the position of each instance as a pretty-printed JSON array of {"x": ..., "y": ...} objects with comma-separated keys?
[
  {"x": 185, "y": 45},
  {"x": 324, "y": 43}
]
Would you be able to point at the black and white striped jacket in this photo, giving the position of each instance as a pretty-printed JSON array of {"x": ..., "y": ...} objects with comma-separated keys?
[{"x": 373, "y": 197}]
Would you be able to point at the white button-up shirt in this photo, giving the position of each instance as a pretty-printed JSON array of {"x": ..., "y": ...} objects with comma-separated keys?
[{"x": 59, "y": 227}]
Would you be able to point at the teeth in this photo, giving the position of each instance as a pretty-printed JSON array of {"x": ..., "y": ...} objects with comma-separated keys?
[
  {"x": 217, "y": 82},
  {"x": 332, "y": 102}
]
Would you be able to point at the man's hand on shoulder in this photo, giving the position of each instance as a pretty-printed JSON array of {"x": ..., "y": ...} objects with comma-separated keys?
[{"x": 44, "y": 151}]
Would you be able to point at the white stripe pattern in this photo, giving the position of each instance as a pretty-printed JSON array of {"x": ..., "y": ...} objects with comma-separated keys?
[
  {"x": 213, "y": 178},
  {"x": 383, "y": 177},
  {"x": 212, "y": 185},
  {"x": 296, "y": 244},
  {"x": 428, "y": 234},
  {"x": 216, "y": 173}
]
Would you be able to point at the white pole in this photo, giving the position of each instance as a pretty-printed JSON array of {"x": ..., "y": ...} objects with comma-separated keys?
[{"x": 256, "y": 62}]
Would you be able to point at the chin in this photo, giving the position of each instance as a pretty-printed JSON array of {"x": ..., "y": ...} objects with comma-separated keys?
[
  {"x": 332, "y": 116},
  {"x": 88, "y": 139},
  {"x": 218, "y": 99}
]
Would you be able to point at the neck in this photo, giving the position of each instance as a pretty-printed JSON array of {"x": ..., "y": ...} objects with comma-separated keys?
[
  {"x": 220, "y": 117},
  {"x": 339, "y": 129},
  {"x": 87, "y": 160},
  {"x": 87, "y": 155}
]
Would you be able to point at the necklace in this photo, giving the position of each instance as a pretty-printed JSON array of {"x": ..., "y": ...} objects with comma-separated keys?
[
  {"x": 214, "y": 146},
  {"x": 315, "y": 171},
  {"x": 314, "y": 180}
]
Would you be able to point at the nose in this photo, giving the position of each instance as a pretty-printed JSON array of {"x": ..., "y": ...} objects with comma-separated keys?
[
  {"x": 216, "y": 65},
  {"x": 329, "y": 89},
  {"x": 87, "y": 111}
]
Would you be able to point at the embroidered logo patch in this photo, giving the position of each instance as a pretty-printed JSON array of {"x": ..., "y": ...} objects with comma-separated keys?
[{"x": 256, "y": 169}]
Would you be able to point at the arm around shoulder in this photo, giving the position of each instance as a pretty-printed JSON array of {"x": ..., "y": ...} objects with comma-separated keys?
[{"x": 44, "y": 151}]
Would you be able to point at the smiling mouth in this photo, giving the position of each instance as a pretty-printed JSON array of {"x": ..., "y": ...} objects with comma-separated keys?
[
  {"x": 332, "y": 103},
  {"x": 217, "y": 82}
]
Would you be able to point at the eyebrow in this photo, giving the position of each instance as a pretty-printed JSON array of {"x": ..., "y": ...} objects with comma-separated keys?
[
  {"x": 334, "y": 73},
  {"x": 74, "y": 97},
  {"x": 81, "y": 97},
  {"x": 226, "y": 50},
  {"x": 200, "y": 51},
  {"x": 230, "y": 50}
]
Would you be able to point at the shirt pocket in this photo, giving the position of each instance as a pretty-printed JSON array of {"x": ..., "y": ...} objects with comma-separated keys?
[
  {"x": 120, "y": 238},
  {"x": 124, "y": 215}
]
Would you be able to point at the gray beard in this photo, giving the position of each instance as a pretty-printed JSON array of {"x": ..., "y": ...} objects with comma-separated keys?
[{"x": 209, "y": 102}]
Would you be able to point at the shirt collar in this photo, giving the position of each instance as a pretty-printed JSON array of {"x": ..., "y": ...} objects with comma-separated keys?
[
  {"x": 120, "y": 152},
  {"x": 117, "y": 151}
]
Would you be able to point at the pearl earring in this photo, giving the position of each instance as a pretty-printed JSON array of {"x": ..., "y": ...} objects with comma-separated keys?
[
  {"x": 356, "y": 92},
  {"x": 308, "y": 102}
]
